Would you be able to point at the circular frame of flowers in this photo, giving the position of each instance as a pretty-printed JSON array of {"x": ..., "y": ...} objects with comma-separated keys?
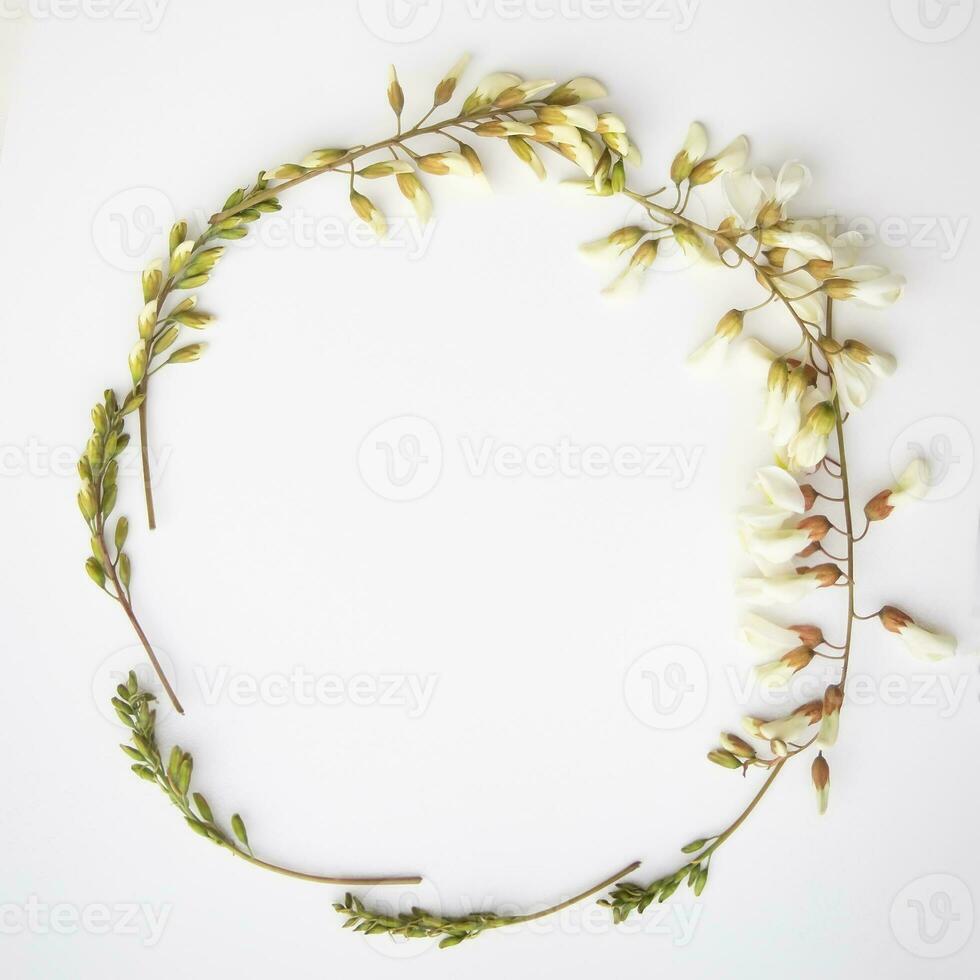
[{"x": 811, "y": 391}]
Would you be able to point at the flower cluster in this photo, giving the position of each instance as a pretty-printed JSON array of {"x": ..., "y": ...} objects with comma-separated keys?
[{"x": 809, "y": 392}]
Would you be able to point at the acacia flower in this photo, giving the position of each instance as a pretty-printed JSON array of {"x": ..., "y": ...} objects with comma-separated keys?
[
  {"x": 788, "y": 586},
  {"x": 694, "y": 148},
  {"x": 580, "y": 89},
  {"x": 809, "y": 446},
  {"x": 364, "y": 208},
  {"x": 790, "y": 727},
  {"x": 913, "y": 484},
  {"x": 769, "y": 639},
  {"x": 820, "y": 771},
  {"x": 412, "y": 189},
  {"x": 921, "y": 643},
  {"x": 855, "y": 367},
  {"x": 757, "y": 198},
  {"x": 784, "y": 408},
  {"x": 628, "y": 280},
  {"x": 710, "y": 355},
  {"x": 731, "y": 158},
  {"x": 612, "y": 245},
  {"x": 780, "y": 671},
  {"x": 833, "y": 698},
  {"x": 868, "y": 285},
  {"x": 487, "y": 89}
]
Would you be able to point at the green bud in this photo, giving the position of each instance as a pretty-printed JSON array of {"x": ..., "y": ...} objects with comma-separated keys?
[
  {"x": 238, "y": 826},
  {"x": 95, "y": 571}
]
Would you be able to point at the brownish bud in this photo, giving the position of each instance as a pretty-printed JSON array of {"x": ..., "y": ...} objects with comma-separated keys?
[
  {"x": 810, "y": 549},
  {"x": 827, "y": 573},
  {"x": 777, "y": 257},
  {"x": 737, "y": 746},
  {"x": 821, "y": 772},
  {"x": 816, "y": 526},
  {"x": 833, "y": 698},
  {"x": 820, "y": 268},
  {"x": 798, "y": 658},
  {"x": 893, "y": 619},
  {"x": 811, "y": 636},
  {"x": 878, "y": 508},
  {"x": 812, "y": 710},
  {"x": 809, "y": 496}
]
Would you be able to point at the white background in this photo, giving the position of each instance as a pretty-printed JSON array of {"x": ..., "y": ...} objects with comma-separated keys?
[{"x": 526, "y": 598}]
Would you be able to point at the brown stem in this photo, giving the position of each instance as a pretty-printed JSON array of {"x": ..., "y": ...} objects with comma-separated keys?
[
  {"x": 145, "y": 459},
  {"x": 561, "y": 906},
  {"x": 122, "y": 598}
]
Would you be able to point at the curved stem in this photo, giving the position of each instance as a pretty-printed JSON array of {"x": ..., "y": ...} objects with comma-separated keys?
[
  {"x": 561, "y": 906},
  {"x": 324, "y": 879}
]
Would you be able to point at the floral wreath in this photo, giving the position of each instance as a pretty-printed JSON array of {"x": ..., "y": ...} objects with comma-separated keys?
[{"x": 811, "y": 392}]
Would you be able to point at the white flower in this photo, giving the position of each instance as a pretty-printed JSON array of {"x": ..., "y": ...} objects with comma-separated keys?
[
  {"x": 807, "y": 243},
  {"x": 580, "y": 89},
  {"x": 758, "y": 198},
  {"x": 781, "y": 489},
  {"x": 744, "y": 196},
  {"x": 411, "y": 187},
  {"x": 855, "y": 367},
  {"x": 809, "y": 446},
  {"x": 731, "y": 158},
  {"x": 691, "y": 153},
  {"x": 780, "y": 671},
  {"x": 628, "y": 280},
  {"x": 488, "y": 89},
  {"x": 710, "y": 355},
  {"x": 926, "y": 645},
  {"x": 765, "y": 636},
  {"x": 776, "y": 589},
  {"x": 868, "y": 285},
  {"x": 921, "y": 643},
  {"x": 790, "y": 727},
  {"x": 913, "y": 484},
  {"x": 774, "y": 544},
  {"x": 763, "y": 516},
  {"x": 612, "y": 246}
]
